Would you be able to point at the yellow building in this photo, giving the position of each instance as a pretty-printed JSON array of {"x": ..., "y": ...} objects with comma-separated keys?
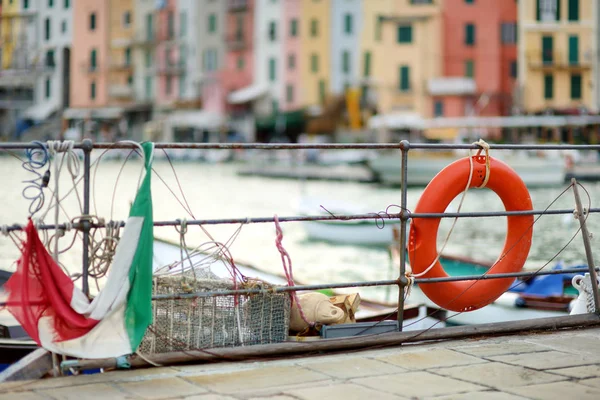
[
  {"x": 314, "y": 51},
  {"x": 401, "y": 50},
  {"x": 557, "y": 56},
  {"x": 122, "y": 32},
  {"x": 9, "y": 33}
]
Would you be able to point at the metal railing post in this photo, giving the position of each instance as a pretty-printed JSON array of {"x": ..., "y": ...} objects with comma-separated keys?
[
  {"x": 402, "y": 281},
  {"x": 586, "y": 244},
  {"x": 87, "y": 146}
]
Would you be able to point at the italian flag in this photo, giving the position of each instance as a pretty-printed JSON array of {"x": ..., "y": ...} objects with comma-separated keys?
[{"x": 61, "y": 319}]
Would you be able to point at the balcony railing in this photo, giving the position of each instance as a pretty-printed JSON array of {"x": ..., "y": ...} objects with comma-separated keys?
[
  {"x": 120, "y": 91},
  {"x": 553, "y": 59},
  {"x": 121, "y": 66},
  {"x": 236, "y": 42},
  {"x": 144, "y": 39}
]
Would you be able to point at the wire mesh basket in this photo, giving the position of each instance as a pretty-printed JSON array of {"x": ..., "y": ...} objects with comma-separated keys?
[{"x": 219, "y": 321}]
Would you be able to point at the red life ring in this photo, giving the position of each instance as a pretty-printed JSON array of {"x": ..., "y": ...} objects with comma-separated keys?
[{"x": 422, "y": 246}]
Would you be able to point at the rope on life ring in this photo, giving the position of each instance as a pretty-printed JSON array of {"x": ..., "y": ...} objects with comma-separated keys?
[{"x": 473, "y": 171}]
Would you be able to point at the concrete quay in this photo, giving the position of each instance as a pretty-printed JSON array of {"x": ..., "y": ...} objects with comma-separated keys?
[{"x": 553, "y": 365}]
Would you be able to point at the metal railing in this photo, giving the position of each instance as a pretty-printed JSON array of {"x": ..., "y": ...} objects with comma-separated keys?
[{"x": 85, "y": 225}]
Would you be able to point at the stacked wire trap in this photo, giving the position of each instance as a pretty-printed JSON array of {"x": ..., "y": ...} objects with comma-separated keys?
[{"x": 214, "y": 321}]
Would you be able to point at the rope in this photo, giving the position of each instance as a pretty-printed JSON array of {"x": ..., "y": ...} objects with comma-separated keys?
[
  {"x": 485, "y": 147},
  {"x": 287, "y": 268}
]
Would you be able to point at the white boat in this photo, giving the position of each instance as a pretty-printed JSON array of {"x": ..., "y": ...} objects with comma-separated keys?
[
  {"x": 536, "y": 171},
  {"x": 367, "y": 232}
]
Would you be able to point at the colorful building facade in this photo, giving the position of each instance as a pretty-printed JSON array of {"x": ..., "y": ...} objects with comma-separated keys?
[
  {"x": 558, "y": 61},
  {"x": 169, "y": 68},
  {"x": 122, "y": 33},
  {"x": 479, "y": 59},
  {"x": 315, "y": 54},
  {"x": 290, "y": 31},
  {"x": 346, "y": 27}
]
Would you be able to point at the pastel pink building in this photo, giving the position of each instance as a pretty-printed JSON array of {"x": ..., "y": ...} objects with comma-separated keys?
[
  {"x": 480, "y": 53},
  {"x": 239, "y": 37},
  {"x": 90, "y": 53},
  {"x": 291, "y": 59},
  {"x": 168, "y": 66}
]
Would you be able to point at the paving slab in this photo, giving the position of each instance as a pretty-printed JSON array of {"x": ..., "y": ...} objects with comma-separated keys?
[
  {"x": 558, "y": 391},
  {"x": 594, "y": 382},
  {"x": 256, "y": 379},
  {"x": 488, "y": 395},
  {"x": 210, "y": 396},
  {"x": 499, "y": 375},
  {"x": 499, "y": 349},
  {"x": 352, "y": 367},
  {"x": 584, "y": 344},
  {"x": 587, "y": 371},
  {"x": 23, "y": 396},
  {"x": 546, "y": 360},
  {"x": 418, "y": 384},
  {"x": 161, "y": 388},
  {"x": 430, "y": 359},
  {"x": 95, "y": 391},
  {"x": 347, "y": 391}
]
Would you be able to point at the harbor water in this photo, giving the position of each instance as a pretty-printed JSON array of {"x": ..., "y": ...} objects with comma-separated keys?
[{"x": 217, "y": 191}]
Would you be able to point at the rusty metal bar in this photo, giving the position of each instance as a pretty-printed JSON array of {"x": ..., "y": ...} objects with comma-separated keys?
[
  {"x": 85, "y": 224},
  {"x": 587, "y": 245},
  {"x": 402, "y": 281}
]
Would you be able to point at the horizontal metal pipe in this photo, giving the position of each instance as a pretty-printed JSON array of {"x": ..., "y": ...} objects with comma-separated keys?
[
  {"x": 345, "y": 344},
  {"x": 380, "y": 218},
  {"x": 325, "y": 146}
]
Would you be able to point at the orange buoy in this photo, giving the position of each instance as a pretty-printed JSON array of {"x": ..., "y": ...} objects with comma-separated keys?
[{"x": 422, "y": 246}]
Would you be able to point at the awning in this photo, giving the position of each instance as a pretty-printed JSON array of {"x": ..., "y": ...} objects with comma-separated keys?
[
  {"x": 196, "y": 119},
  {"x": 39, "y": 112},
  {"x": 451, "y": 86},
  {"x": 286, "y": 119},
  {"x": 247, "y": 94},
  {"x": 100, "y": 113},
  {"x": 397, "y": 121},
  {"x": 14, "y": 80}
]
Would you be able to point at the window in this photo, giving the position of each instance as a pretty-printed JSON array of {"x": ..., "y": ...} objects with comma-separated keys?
[
  {"x": 314, "y": 63},
  {"x": 470, "y": 34},
  {"x": 182, "y": 56},
  {"x": 149, "y": 27},
  {"x": 92, "y": 21},
  {"x": 93, "y": 60},
  {"x": 50, "y": 3},
  {"x": 469, "y": 68},
  {"x": 547, "y": 49},
  {"x": 93, "y": 90},
  {"x": 346, "y": 61},
  {"x": 508, "y": 33},
  {"x": 291, "y": 61},
  {"x": 513, "y": 69},
  {"x": 367, "y": 64},
  {"x": 404, "y": 34},
  {"x": 421, "y": 1},
  {"x": 272, "y": 31},
  {"x": 48, "y": 87},
  {"x": 378, "y": 28},
  {"x": 573, "y": 10},
  {"x": 127, "y": 19},
  {"x": 573, "y": 50},
  {"x": 314, "y": 28},
  {"x": 548, "y": 10},
  {"x": 50, "y": 63},
  {"x": 272, "y": 69},
  {"x": 25, "y": 4},
  {"x": 209, "y": 60},
  {"x": 348, "y": 23},
  {"x": 148, "y": 87},
  {"x": 289, "y": 93},
  {"x": 212, "y": 23},
  {"x": 404, "y": 78},
  {"x": 148, "y": 57},
  {"x": 438, "y": 109},
  {"x": 130, "y": 80},
  {"x": 294, "y": 27},
  {"x": 548, "y": 87},
  {"x": 182, "y": 24},
  {"x": 171, "y": 25},
  {"x": 322, "y": 90},
  {"x": 469, "y": 1},
  {"x": 47, "y": 28},
  {"x": 239, "y": 27},
  {"x": 181, "y": 86},
  {"x": 576, "y": 86},
  {"x": 67, "y": 4},
  {"x": 128, "y": 56},
  {"x": 63, "y": 26},
  {"x": 240, "y": 63},
  {"x": 169, "y": 84}
]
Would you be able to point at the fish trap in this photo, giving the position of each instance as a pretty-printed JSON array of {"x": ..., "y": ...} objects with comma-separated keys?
[{"x": 219, "y": 321}]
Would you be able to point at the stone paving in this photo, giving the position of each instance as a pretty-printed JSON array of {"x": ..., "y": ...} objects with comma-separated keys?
[{"x": 555, "y": 365}]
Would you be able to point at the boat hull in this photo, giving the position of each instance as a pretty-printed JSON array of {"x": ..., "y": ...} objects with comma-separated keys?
[{"x": 368, "y": 233}]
